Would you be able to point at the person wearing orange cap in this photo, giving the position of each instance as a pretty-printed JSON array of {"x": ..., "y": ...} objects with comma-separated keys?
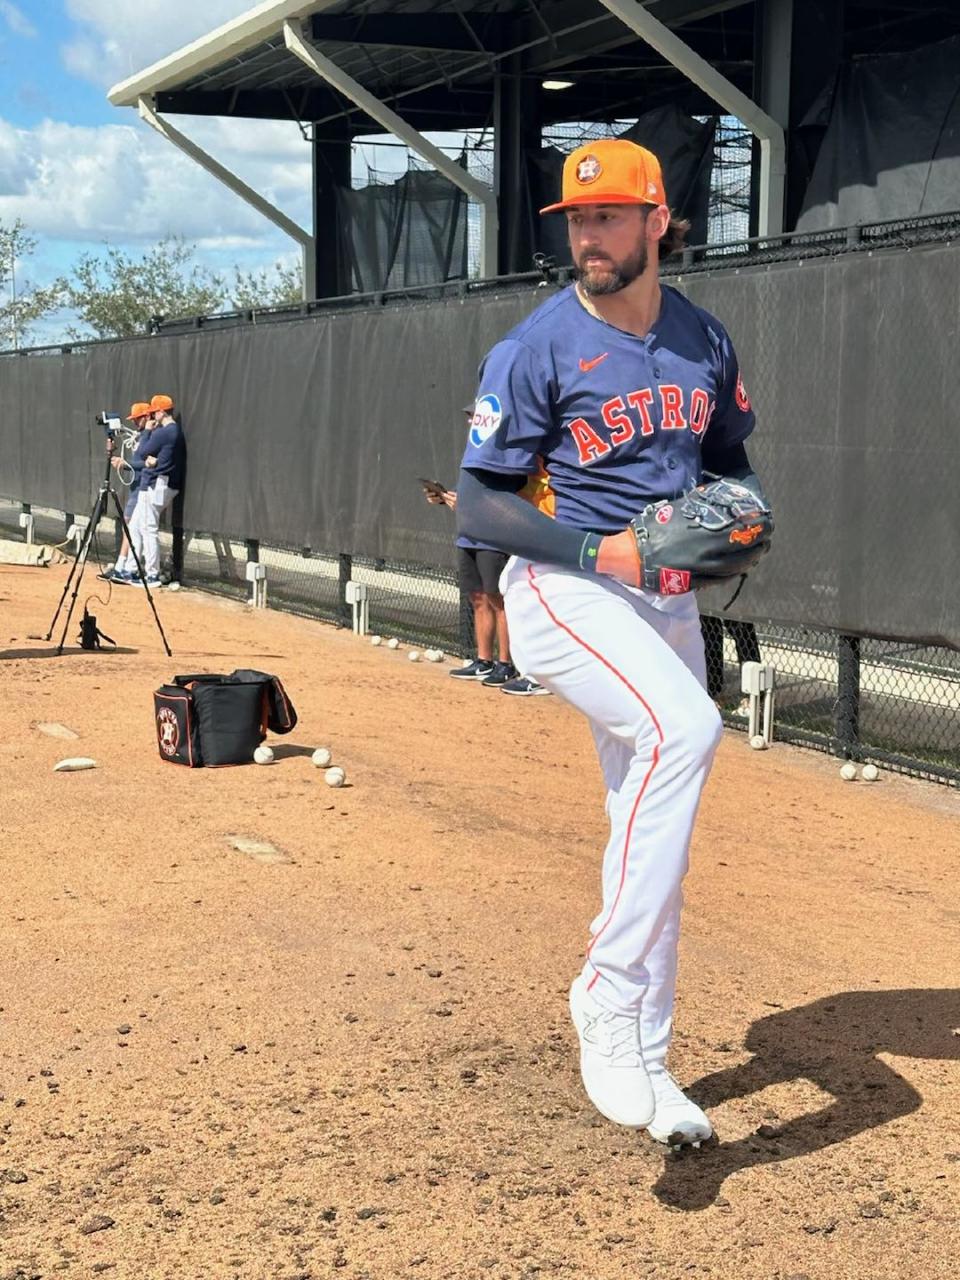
[
  {"x": 141, "y": 415},
  {"x": 617, "y": 392},
  {"x": 162, "y": 481}
]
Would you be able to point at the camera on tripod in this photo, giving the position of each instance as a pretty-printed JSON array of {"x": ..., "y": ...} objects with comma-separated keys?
[{"x": 111, "y": 423}]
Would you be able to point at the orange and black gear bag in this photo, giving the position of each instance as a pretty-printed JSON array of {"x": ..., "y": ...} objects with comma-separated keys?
[{"x": 217, "y": 720}]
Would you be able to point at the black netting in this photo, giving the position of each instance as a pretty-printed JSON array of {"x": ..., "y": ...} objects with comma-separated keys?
[
  {"x": 405, "y": 233},
  {"x": 890, "y": 144}
]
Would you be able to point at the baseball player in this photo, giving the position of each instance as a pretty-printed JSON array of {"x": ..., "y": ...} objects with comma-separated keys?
[
  {"x": 161, "y": 481},
  {"x": 617, "y": 393},
  {"x": 142, "y": 418}
]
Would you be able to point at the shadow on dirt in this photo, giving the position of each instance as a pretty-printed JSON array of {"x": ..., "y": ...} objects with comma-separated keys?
[
  {"x": 69, "y": 651},
  {"x": 833, "y": 1043}
]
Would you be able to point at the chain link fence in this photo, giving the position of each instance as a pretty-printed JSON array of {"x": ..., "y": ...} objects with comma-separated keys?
[{"x": 897, "y": 705}]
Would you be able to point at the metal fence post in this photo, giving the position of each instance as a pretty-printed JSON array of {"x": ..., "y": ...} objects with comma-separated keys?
[
  {"x": 177, "y": 538},
  {"x": 253, "y": 559},
  {"x": 847, "y": 713},
  {"x": 176, "y": 554},
  {"x": 344, "y": 616},
  {"x": 467, "y": 634}
]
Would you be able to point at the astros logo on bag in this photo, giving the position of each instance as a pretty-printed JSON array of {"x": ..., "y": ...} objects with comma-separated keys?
[{"x": 168, "y": 731}]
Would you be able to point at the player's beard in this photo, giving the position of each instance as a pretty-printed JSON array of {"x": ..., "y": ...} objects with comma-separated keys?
[{"x": 611, "y": 278}]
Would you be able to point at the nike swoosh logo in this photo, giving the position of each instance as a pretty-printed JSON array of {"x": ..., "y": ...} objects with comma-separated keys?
[{"x": 587, "y": 365}]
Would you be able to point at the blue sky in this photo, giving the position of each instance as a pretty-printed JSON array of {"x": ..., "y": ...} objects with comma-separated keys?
[
  {"x": 81, "y": 173},
  {"x": 34, "y": 84}
]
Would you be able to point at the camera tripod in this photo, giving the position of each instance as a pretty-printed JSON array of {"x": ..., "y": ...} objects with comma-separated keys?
[{"x": 75, "y": 576}]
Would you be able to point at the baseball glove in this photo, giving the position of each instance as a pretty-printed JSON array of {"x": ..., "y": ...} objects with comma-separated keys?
[{"x": 718, "y": 530}]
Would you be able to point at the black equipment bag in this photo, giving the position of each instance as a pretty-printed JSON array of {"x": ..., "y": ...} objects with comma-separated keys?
[
  {"x": 281, "y": 716},
  {"x": 216, "y": 720}
]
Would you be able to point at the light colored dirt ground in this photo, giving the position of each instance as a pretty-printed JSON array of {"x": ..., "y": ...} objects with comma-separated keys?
[{"x": 358, "y": 1062}]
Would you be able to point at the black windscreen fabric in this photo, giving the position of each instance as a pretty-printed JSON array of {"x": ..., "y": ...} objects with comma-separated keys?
[
  {"x": 892, "y": 143},
  {"x": 313, "y": 432},
  {"x": 406, "y": 233}
]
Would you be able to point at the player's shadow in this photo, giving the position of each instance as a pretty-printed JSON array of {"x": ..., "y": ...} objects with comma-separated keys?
[{"x": 833, "y": 1043}]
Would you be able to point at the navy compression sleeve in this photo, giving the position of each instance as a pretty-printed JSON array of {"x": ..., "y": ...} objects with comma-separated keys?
[
  {"x": 490, "y": 510},
  {"x": 731, "y": 462}
]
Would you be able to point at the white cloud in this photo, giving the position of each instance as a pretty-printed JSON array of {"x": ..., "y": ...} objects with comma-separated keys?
[
  {"x": 123, "y": 183},
  {"x": 115, "y": 40},
  {"x": 16, "y": 20}
]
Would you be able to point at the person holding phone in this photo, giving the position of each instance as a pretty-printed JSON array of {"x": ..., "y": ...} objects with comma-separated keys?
[{"x": 478, "y": 571}]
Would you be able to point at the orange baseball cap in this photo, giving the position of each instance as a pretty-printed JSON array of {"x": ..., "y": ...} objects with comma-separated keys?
[
  {"x": 139, "y": 410},
  {"x": 161, "y": 404},
  {"x": 610, "y": 171}
]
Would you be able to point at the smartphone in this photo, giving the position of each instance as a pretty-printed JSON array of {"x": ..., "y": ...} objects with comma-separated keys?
[{"x": 433, "y": 487}]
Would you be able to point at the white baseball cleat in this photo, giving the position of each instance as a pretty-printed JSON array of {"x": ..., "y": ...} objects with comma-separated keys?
[
  {"x": 611, "y": 1064},
  {"x": 677, "y": 1121}
]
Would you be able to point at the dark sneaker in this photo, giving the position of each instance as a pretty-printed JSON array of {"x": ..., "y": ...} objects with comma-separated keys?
[
  {"x": 501, "y": 673},
  {"x": 475, "y": 670},
  {"x": 523, "y": 687},
  {"x": 113, "y": 574}
]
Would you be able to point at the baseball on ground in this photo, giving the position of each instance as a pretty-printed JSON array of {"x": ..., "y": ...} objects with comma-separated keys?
[
  {"x": 414, "y": 655},
  {"x": 263, "y": 755},
  {"x": 393, "y": 643},
  {"x": 335, "y": 777},
  {"x": 758, "y": 742},
  {"x": 376, "y": 640},
  {"x": 322, "y": 757},
  {"x": 848, "y": 772},
  {"x": 869, "y": 773}
]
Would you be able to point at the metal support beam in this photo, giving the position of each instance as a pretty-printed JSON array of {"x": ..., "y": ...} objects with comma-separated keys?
[
  {"x": 328, "y": 70},
  {"x": 517, "y": 134},
  {"x": 604, "y": 33},
  {"x": 816, "y": 53},
  {"x": 773, "y": 72},
  {"x": 441, "y": 33},
  {"x": 762, "y": 126},
  {"x": 331, "y": 173},
  {"x": 293, "y": 229}
]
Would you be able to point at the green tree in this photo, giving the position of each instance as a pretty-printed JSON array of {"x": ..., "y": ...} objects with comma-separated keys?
[
  {"x": 116, "y": 295},
  {"x": 280, "y": 286},
  {"x": 23, "y": 303}
]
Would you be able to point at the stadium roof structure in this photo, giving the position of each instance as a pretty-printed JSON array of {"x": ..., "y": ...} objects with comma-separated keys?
[{"x": 350, "y": 67}]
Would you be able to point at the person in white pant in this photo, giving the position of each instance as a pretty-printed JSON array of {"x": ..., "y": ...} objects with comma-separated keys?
[
  {"x": 615, "y": 393},
  {"x": 123, "y": 462},
  {"x": 161, "y": 481}
]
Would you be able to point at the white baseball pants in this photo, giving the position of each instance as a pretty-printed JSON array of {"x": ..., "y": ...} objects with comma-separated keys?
[
  {"x": 145, "y": 527},
  {"x": 633, "y": 663}
]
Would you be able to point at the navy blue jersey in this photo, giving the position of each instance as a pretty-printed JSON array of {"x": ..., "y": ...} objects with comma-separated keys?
[
  {"x": 605, "y": 420},
  {"x": 137, "y": 460},
  {"x": 168, "y": 449}
]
